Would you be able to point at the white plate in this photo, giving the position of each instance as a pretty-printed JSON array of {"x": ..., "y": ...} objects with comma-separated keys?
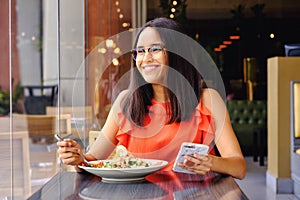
[{"x": 126, "y": 174}]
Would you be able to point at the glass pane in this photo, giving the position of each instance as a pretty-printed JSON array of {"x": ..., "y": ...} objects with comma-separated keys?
[{"x": 65, "y": 60}]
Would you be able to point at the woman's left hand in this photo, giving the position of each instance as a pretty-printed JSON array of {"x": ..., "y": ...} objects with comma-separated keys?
[{"x": 197, "y": 163}]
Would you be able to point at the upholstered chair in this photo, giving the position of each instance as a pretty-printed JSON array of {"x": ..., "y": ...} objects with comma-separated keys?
[{"x": 249, "y": 121}]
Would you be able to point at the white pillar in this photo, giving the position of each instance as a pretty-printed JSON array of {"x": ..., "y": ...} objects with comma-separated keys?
[{"x": 139, "y": 13}]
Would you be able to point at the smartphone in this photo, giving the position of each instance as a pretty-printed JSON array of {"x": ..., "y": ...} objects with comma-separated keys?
[{"x": 188, "y": 148}]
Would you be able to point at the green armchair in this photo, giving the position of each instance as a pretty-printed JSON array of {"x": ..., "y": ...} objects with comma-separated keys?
[{"x": 249, "y": 121}]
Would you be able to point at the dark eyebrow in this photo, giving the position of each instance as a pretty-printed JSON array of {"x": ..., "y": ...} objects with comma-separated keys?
[{"x": 154, "y": 44}]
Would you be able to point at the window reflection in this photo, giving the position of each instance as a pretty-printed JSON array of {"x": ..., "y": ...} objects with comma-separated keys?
[{"x": 48, "y": 45}]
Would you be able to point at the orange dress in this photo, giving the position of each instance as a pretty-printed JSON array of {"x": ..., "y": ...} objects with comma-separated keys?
[{"x": 158, "y": 140}]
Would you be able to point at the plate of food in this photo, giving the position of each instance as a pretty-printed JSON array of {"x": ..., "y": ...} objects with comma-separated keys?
[{"x": 124, "y": 167}]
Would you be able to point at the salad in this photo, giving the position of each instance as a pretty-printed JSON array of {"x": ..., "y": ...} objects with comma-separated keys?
[{"x": 122, "y": 159}]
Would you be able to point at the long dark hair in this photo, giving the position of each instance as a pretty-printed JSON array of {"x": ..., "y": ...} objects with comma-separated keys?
[{"x": 183, "y": 100}]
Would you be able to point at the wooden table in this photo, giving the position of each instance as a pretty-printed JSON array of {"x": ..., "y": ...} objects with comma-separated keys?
[{"x": 160, "y": 185}]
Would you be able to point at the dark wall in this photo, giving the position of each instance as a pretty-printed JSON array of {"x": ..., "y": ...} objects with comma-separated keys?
[{"x": 255, "y": 42}]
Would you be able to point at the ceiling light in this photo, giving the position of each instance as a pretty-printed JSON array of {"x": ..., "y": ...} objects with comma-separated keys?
[
  {"x": 234, "y": 37},
  {"x": 227, "y": 42}
]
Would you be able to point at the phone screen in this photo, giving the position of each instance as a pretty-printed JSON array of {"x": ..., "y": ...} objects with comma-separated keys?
[{"x": 188, "y": 148}]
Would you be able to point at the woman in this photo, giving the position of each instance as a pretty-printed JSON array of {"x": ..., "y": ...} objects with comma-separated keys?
[{"x": 164, "y": 106}]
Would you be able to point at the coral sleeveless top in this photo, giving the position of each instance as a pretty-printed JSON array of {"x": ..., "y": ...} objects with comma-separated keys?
[{"x": 158, "y": 140}]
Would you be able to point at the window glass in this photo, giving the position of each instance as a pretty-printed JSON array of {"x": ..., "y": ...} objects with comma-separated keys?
[{"x": 60, "y": 66}]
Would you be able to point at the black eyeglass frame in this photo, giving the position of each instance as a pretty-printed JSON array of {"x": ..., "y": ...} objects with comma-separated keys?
[{"x": 134, "y": 51}]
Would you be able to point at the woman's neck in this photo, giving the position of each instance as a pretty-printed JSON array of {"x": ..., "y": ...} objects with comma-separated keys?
[{"x": 159, "y": 93}]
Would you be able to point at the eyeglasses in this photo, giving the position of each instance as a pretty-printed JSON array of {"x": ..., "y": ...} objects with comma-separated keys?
[{"x": 155, "y": 52}]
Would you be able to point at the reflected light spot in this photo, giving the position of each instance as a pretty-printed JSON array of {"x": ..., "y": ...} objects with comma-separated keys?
[
  {"x": 124, "y": 24},
  {"x": 109, "y": 43},
  {"x": 102, "y": 50},
  {"x": 173, "y": 10},
  {"x": 117, "y": 50},
  {"x": 115, "y": 62},
  {"x": 174, "y": 3},
  {"x": 171, "y": 16}
]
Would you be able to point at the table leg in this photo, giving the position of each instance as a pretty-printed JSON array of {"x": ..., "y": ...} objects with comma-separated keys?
[
  {"x": 255, "y": 143},
  {"x": 262, "y": 150}
]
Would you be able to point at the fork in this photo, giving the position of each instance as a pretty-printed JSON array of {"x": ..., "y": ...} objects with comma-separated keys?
[{"x": 87, "y": 163}]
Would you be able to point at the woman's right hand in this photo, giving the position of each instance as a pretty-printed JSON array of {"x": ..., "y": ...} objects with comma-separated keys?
[{"x": 68, "y": 152}]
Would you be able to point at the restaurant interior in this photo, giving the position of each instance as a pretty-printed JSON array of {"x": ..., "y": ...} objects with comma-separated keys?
[{"x": 64, "y": 62}]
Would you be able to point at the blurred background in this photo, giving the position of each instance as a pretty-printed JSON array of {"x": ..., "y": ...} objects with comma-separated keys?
[
  {"x": 68, "y": 54},
  {"x": 51, "y": 39}
]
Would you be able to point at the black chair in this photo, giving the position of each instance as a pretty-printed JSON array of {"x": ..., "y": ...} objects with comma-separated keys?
[{"x": 37, "y": 98}]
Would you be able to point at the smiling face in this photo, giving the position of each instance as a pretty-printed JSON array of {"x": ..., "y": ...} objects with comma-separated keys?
[{"x": 152, "y": 65}]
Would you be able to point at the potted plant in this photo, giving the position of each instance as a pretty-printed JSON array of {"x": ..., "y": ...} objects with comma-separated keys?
[{"x": 5, "y": 100}]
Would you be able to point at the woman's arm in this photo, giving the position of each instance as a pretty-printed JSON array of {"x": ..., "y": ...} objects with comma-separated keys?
[
  {"x": 101, "y": 148},
  {"x": 106, "y": 141},
  {"x": 232, "y": 161}
]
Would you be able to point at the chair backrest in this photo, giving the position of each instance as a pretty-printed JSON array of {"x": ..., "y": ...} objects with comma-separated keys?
[
  {"x": 81, "y": 118},
  {"x": 295, "y": 115},
  {"x": 75, "y": 111},
  {"x": 246, "y": 112},
  {"x": 93, "y": 136},
  {"x": 15, "y": 165},
  {"x": 38, "y": 97},
  {"x": 292, "y": 49},
  {"x": 4, "y": 124},
  {"x": 40, "y": 126}
]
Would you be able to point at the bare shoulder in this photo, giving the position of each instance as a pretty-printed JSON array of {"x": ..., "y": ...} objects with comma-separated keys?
[
  {"x": 210, "y": 96},
  {"x": 120, "y": 97}
]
